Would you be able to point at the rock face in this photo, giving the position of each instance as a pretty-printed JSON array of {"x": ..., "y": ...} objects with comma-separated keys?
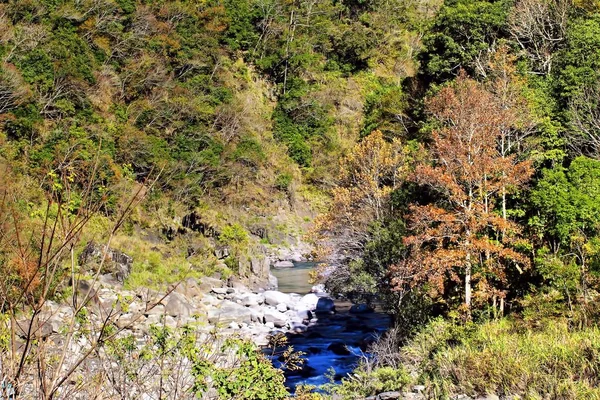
[{"x": 111, "y": 261}]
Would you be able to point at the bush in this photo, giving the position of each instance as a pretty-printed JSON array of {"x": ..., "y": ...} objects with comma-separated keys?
[{"x": 364, "y": 382}]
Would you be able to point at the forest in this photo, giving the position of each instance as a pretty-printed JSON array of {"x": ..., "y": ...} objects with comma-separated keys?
[{"x": 442, "y": 157}]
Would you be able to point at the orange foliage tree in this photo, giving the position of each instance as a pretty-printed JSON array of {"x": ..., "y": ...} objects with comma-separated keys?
[{"x": 464, "y": 237}]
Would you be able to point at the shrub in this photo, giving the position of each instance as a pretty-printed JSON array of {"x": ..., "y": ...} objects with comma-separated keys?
[{"x": 365, "y": 382}]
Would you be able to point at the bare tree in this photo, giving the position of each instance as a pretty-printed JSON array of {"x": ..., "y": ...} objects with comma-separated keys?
[
  {"x": 539, "y": 27},
  {"x": 584, "y": 136}
]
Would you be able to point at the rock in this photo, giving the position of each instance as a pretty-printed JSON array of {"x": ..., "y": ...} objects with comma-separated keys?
[
  {"x": 298, "y": 327},
  {"x": 412, "y": 396},
  {"x": 274, "y": 297},
  {"x": 37, "y": 329},
  {"x": 304, "y": 315},
  {"x": 257, "y": 314},
  {"x": 389, "y": 395},
  {"x": 360, "y": 309},
  {"x": 249, "y": 299},
  {"x": 260, "y": 267},
  {"x": 178, "y": 306},
  {"x": 219, "y": 290},
  {"x": 110, "y": 261},
  {"x": 278, "y": 319},
  {"x": 297, "y": 257},
  {"x": 308, "y": 302},
  {"x": 339, "y": 348},
  {"x": 283, "y": 264},
  {"x": 325, "y": 304},
  {"x": 222, "y": 252},
  {"x": 320, "y": 288},
  {"x": 273, "y": 282},
  {"x": 418, "y": 388},
  {"x": 281, "y": 307},
  {"x": 489, "y": 397},
  {"x": 159, "y": 309},
  {"x": 229, "y": 312}
]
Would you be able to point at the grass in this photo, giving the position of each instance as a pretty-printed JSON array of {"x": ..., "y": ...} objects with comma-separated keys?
[{"x": 553, "y": 362}]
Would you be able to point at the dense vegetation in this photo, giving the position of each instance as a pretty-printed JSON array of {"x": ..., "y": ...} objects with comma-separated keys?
[{"x": 452, "y": 147}]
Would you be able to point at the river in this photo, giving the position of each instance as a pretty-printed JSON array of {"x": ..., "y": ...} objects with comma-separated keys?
[{"x": 334, "y": 342}]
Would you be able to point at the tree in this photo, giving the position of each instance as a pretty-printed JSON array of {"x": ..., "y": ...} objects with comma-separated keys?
[
  {"x": 463, "y": 31},
  {"x": 368, "y": 175},
  {"x": 462, "y": 236},
  {"x": 540, "y": 29}
]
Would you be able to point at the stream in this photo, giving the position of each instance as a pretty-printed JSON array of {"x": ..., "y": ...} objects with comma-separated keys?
[{"x": 335, "y": 341}]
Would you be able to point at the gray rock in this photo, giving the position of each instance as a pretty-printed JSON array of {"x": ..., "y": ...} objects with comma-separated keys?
[
  {"x": 110, "y": 261},
  {"x": 219, "y": 290},
  {"x": 320, "y": 288},
  {"x": 178, "y": 306},
  {"x": 273, "y": 297},
  {"x": 489, "y": 397},
  {"x": 229, "y": 312},
  {"x": 283, "y": 264},
  {"x": 308, "y": 302},
  {"x": 273, "y": 282},
  {"x": 389, "y": 395},
  {"x": 304, "y": 315},
  {"x": 159, "y": 309},
  {"x": 418, "y": 388},
  {"x": 281, "y": 307},
  {"x": 36, "y": 328},
  {"x": 278, "y": 319}
]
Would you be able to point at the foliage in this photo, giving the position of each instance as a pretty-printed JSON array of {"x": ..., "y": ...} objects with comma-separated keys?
[
  {"x": 498, "y": 357},
  {"x": 368, "y": 383},
  {"x": 463, "y": 231}
]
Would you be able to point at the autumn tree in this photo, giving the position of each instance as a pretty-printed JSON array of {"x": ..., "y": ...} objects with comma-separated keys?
[
  {"x": 462, "y": 237},
  {"x": 368, "y": 175},
  {"x": 361, "y": 202}
]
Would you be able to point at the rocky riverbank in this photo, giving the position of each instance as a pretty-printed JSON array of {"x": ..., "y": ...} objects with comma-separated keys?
[{"x": 209, "y": 304}]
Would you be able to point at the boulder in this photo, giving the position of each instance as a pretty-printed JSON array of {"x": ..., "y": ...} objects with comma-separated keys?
[
  {"x": 278, "y": 319},
  {"x": 260, "y": 267},
  {"x": 178, "y": 306},
  {"x": 339, "y": 348},
  {"x": 325, "y": 304},
  {"x": 389, "y": 395},
  {"x": 36, "y": 328},
  {"x": 360, "y": 309},
  {"x": 304, "y": 315},
  {"x": 308, "y": 302},
  {"x": 281, "y": 307},
  {"x": 283, "y": 264},
  {"x": 274, "y": 297},
  {"x": 229, "y": 312}
]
